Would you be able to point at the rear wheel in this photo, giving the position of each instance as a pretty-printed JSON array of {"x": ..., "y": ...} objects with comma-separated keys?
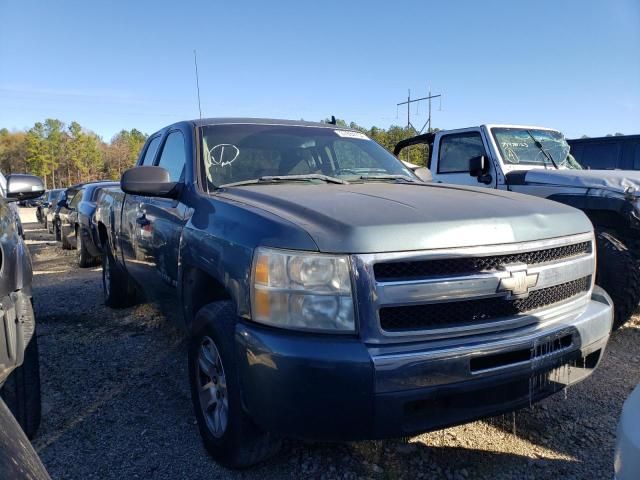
[
  {"x": 228, "y": 434},
  {"x": 84, "y": 258},
  {"x": 118, "y": 292},
  {"x": 21, "y": 391},
  {"x": 619, "y": 274},
  {"x": 56, "y": 228},
  {"x": 66, "y": 245}
]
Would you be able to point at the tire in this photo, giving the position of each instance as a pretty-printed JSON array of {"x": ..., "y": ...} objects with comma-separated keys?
[
  {"x": 48, "y": 225},
  {"x": 117, "y": 289},
  {"x": 84, "y": 258},
  {"x": 65, "y": 241},
  {"x": 56, "y": 228},
  {"x": 21, "y": 391},
  {"x": 238, "y": 442},
  {"x": 618, "y": 273}
]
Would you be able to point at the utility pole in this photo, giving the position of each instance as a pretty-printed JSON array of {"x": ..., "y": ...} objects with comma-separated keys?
[{"x": 408, "y": 104}]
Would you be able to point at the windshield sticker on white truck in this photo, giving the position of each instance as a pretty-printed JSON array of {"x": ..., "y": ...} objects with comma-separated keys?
[
  {"x": 350, "y": 134},
  {"x": 224, "y": 154}
]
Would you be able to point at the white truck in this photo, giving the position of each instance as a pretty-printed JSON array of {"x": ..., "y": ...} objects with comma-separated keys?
[{"x": 537, "y": 161}]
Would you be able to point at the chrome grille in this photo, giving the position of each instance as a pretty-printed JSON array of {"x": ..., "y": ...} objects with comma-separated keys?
[
  {"x": 437, "y": 294},
  {"x": 460, "y": 313},
  {"x": 390, "y": 271}
]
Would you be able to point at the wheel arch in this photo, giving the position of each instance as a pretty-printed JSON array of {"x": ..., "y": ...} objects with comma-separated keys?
[{"x": 200, "y": 288}]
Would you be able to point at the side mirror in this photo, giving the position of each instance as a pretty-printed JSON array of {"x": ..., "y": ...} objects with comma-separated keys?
[
  {"x": 479, "y": 168},
  {"x": 23, "y": 187},
  {"x": 149, "y": 181}
]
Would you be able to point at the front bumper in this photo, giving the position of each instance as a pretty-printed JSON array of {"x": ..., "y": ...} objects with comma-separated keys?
[{"x": 337, "y": 388}]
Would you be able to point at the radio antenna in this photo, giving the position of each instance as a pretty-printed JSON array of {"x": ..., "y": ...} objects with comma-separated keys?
[{"x": 195, "y": 62}]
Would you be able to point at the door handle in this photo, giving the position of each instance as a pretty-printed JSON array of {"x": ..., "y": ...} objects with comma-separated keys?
[{"x": 142, "y": 220}]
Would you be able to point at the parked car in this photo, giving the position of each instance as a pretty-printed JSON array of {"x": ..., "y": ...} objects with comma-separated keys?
[
  {"x": 18, "y": 459},
  {"x": 627, "y": 456},
  {"x": 51, "y": 215},
  {"x": 536, "y": 161},
  {"x": 76, "y": 222},
  {"x": 41, "y": 209},
  {"x": 63, "y": 213},
  {"x": 621, "y": 152},
  {"x": 19, "y": 364},
  {"x": 330, "y": 294}
]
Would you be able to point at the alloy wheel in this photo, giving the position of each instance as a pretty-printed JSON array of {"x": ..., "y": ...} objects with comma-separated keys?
[{"x": 212, "y": 388}]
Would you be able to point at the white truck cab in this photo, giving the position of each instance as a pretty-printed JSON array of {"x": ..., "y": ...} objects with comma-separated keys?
[{"x": 537, "y": 161}]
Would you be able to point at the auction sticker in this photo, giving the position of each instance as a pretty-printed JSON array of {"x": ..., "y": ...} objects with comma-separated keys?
[{"x": 351, "y": 134}]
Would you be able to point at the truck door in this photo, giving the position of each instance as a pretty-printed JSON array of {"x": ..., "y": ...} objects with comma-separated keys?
[
  {"x": 451, "y": 156},
  {"x": 130, "y": 212},
  {"x": 159, "y": 227}
]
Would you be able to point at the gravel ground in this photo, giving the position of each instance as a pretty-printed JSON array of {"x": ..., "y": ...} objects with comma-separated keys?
[{"x": 116, "y": 404}]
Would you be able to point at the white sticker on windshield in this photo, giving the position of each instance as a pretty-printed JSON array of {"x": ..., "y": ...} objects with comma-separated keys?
[
  {"x": 351, "y": 134},
  {"x": 224, "y": 154}
]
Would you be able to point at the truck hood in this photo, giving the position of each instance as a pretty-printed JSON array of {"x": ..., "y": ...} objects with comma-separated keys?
[
  {"x": 617, "y": 181},
  {"x": 382, "y": 217}
]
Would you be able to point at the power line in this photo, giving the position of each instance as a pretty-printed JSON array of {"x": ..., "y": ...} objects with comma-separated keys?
[{"x": 408, "y": 104}]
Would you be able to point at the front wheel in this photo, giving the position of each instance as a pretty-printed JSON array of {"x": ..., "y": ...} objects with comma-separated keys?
[
  {"x": 618, "y": 273},
  {"x": 56, "y": 228},
  {"x": 227, "y": 432}
]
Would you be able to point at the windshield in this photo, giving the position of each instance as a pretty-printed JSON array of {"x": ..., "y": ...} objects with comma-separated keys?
[
  {"x": 239, "y": 153},
  {"x": 531, "y": 147},
  {"x": 53, "y": 194}
]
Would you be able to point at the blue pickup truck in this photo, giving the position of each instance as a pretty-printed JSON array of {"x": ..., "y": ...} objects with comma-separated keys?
[{"x": 330, "y": 294}]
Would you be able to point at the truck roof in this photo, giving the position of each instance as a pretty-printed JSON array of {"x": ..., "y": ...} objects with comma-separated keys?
[
  {"x": 261, "y": 121},
  {"x": 507, "y": 125}
]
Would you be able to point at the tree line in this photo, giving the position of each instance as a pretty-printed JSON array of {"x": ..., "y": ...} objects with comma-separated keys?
[{"x": 65, "y": 154}]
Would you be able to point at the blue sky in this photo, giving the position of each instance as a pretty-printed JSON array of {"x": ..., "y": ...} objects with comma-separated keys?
[{"x": 572, "y": 65}]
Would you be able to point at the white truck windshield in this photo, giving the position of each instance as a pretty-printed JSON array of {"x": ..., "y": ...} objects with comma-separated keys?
[{"x": 531, "y": 147}]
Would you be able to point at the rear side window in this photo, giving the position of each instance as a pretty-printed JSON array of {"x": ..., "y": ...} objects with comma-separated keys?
[
  {"x": 150, "y": 154},
  {"x": 456, "y": 151},
  {"x": 173, "y": 157},
  {"x": 601, "y": 156}
]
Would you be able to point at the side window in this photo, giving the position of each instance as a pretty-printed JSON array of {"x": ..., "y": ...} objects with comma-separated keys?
[
  {"x": 151, "y": 151},
  {"x": 173, "y": 157},
  {"x": 76, "y": 199},
  {"x": 456, "y": 151}
]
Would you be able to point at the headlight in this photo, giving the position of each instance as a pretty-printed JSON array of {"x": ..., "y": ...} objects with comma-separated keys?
[{"x": 304, "y": 291}]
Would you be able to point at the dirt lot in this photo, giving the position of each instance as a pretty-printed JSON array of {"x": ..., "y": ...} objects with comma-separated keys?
[{"x": 116, "y": 404}]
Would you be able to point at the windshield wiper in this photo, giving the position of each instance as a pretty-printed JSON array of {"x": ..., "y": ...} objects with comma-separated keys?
[
  {"x": 544, "y": 152},
  {"x": 403, "y": 178},
  {"x": 287, "y": 178}
]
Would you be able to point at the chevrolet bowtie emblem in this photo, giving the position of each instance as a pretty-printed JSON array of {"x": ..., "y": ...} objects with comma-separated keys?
[{"x": 518, "y": 282}]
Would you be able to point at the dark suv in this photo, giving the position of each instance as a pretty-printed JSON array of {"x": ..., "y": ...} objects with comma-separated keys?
[
  {"x": 18, "y": 342},
  {"x": 43, "y": 206},
  {"x": 76, "y": 222}
]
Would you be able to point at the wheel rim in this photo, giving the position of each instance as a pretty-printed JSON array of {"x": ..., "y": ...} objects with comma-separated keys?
[
  {"x": 106, "y": 276},
  {"x": 212, "y": 388}
]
